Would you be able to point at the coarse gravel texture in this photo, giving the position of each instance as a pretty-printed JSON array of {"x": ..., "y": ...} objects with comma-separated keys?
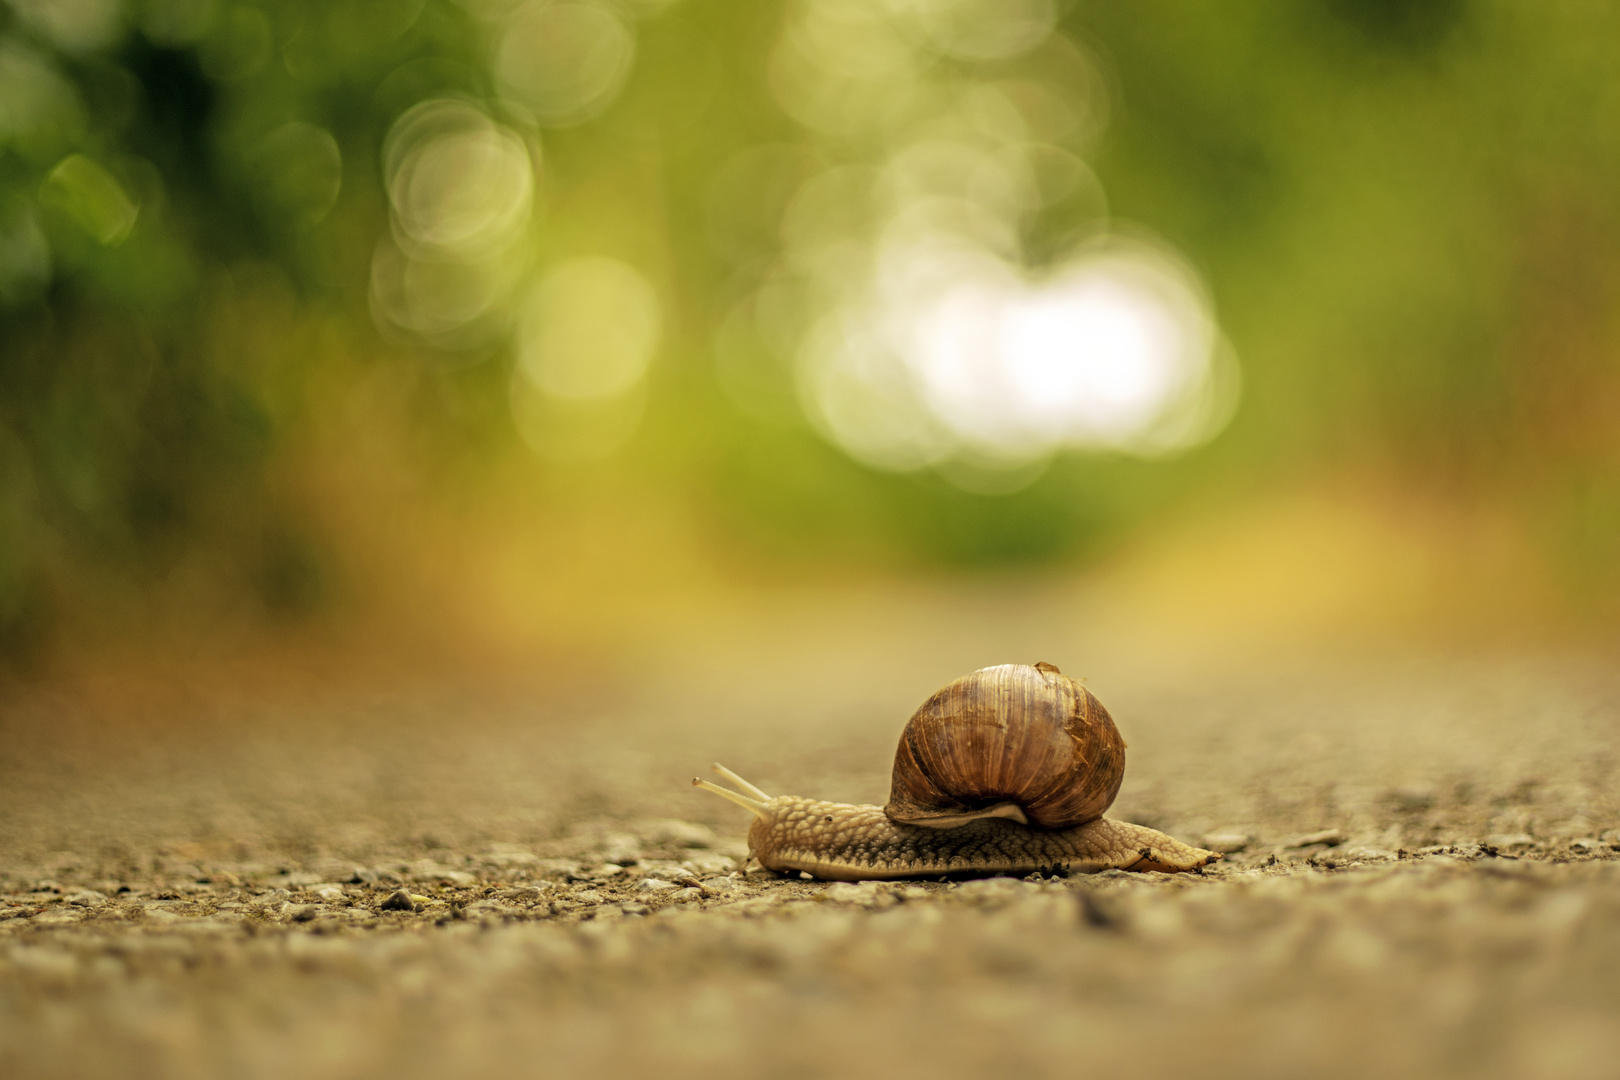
[{"x": 513, "y": 877}]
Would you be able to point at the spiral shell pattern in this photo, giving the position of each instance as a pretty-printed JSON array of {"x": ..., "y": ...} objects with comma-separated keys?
[{"x": 1029, "y": 736}]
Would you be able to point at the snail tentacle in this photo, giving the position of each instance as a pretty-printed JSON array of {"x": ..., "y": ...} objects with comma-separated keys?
[
  {"x": 756, "y": 807},
  {"x": 748, "y": 788}
]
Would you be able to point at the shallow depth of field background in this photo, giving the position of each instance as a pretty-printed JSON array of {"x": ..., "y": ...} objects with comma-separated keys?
[
  {"x": 408, "y": 334},
  {"x": 432, "y": 430}
]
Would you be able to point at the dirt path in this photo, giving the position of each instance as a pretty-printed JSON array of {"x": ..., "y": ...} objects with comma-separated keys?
[{"x": 1423, "y": 878}]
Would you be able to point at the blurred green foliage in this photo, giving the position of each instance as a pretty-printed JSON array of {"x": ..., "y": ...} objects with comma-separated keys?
[{"x": 1405, "y": 214}]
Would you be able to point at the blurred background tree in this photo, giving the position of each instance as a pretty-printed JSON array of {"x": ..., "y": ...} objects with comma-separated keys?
[{"x": 318, "y": 306}]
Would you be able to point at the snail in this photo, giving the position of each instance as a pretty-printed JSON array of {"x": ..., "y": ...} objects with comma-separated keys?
[{"x": 1004, "y": 771}]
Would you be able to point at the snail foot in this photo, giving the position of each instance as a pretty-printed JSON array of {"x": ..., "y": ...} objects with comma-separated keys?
[{"x": 1125, "y": 846}]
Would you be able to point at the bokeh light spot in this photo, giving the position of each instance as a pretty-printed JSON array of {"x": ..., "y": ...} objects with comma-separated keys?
[
  {"x": 563, "y": 63},
  {"x": 91, "y": 196},
  {"x": 462, "y": 191},
  {"x": 589, "y": 330},
  {"x": 303, "y": 169},
  {"x": 449, "y": 303},
  {"x": 457, "y": 180},
  {"x": 75, "y": 25},
  {"x": 177, "y": 22},
  {"x": 978, "y": 29},
  {"x": 841, "y": 67},
  {"x": 864, "y": 401},
  {"x": 35, "y": 101},
  {"x": 958, "y": 354},
  {"x": 238, "y": 45}
]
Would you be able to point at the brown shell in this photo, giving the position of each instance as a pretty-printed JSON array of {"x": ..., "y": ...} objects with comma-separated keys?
[{"x": 1030, "y": 736}]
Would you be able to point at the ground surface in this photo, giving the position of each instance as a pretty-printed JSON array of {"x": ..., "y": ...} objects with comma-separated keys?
[{"x": 1423, "y": 878}]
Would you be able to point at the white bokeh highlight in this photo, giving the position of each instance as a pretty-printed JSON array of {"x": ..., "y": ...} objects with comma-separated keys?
[
  {"x": 960, "y": 354},
  {"x": 461, "y": 191},
  {"x": 458, "y": 181},
  {"x": 563, "y": 63}
]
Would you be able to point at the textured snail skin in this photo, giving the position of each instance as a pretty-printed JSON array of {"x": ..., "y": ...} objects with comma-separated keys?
[{"x": 840, "y": 842}]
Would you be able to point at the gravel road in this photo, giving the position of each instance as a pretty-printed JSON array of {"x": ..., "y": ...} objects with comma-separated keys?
[{"x": 448, "y": 877}]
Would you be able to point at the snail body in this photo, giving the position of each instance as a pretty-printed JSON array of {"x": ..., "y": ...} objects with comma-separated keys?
[{"x": 1005, "y": 771}]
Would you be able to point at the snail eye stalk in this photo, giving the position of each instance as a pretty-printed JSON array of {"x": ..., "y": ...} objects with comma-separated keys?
[
  {"x": 748, "y": 789},
  {"x": 755, "y": 805}
]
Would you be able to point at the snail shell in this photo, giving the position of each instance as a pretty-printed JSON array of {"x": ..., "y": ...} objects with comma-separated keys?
[{"x": 1012, "y": 741}]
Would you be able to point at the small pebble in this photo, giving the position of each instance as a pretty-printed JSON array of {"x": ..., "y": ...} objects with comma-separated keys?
[
  {"x": 58, "y": 916},
  {"x": 848, "y": 892},
  {"x": 622, "y": 849},
  {"x": 523, "y": 894},
  {"x": 304, "y": 912},
  {"x": 1363, "y": 854},
  {"x": 1226, "y": 842},
  {"x": 655, "y": 885},
  {"x": 991, "y": 886},
  {"x": 1510, "y": 841},
  {"x": 398, "y": 900},
  {"x": 332, "y": 894},
  {"x": 710, "y": 864}
]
